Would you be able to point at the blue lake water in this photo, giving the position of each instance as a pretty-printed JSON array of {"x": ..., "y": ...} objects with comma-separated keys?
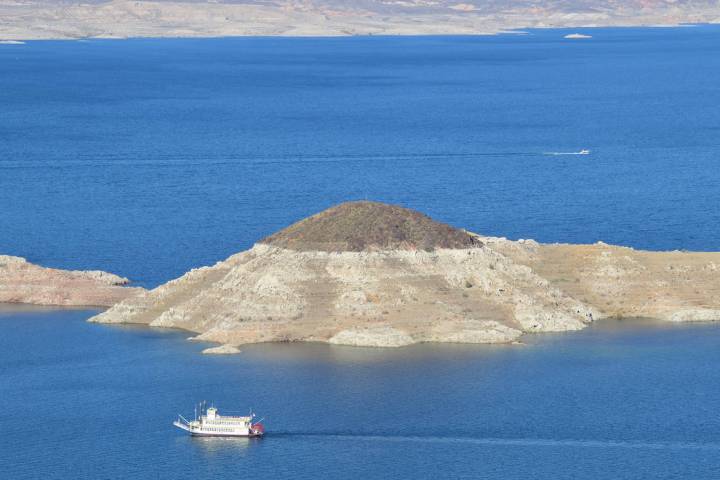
[
  {"x": 150, "y": 157},
  {"x": 620, "y": 400}
]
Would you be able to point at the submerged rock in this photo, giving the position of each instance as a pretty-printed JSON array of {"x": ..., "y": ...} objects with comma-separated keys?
[{"x": 221, "y": 350}]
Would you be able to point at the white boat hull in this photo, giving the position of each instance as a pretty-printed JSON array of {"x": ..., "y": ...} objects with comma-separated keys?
[{"x": 200, "y": 432}]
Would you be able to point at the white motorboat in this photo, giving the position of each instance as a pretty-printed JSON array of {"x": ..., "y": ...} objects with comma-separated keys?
[{"x": 584, "y": 151}]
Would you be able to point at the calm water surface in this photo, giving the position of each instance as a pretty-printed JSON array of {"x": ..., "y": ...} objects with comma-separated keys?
[
  {"x": 150, "y": 157},
  {"x": 616, "y": 401}
]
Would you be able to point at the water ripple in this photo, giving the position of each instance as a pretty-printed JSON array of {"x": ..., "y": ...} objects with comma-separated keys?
[{"x": 519, "y": 442}]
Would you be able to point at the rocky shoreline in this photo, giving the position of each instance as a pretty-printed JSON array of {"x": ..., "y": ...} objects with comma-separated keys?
[
  {"x": 369, "y": 274},
  {"x": 22, "y": 282},
  {"x": 375, "y": 275}
]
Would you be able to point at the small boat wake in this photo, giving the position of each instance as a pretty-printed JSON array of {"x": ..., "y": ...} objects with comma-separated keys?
[
  {"x": 516, "y": 442},
  {"x": 581, "y": 152}
]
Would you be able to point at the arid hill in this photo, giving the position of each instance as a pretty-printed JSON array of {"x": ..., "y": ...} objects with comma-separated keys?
[
  {"x": 369, "y": 274},
  {"x": 23, "y": 282},
  {"x": 366, "y": 226}
]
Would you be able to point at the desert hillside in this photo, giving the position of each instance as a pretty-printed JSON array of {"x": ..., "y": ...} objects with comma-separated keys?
[
  {"x": 370, "y": 274},
  {"x": 370, "y": 226}
]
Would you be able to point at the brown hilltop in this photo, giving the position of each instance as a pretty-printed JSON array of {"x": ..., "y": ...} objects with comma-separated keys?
[{"x": 366, "y": 226}]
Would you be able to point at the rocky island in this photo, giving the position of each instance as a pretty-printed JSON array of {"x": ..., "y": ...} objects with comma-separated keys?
[
  {"x": 372, "y": 274},
  {"x": 24, "y": 282}
]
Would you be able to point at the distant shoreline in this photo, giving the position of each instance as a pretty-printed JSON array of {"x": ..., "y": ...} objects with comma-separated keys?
[
  {"x": 513, "y": 32},
  {"x": 118, "y": 19}
]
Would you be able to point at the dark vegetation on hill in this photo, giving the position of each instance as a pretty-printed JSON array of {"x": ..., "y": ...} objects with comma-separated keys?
[{"x": 363, "y": 225}]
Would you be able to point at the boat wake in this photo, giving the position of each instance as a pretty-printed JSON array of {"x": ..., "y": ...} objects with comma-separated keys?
[
  {"x": 516, "y": 442},
  {"x": 581, "y": 152}
]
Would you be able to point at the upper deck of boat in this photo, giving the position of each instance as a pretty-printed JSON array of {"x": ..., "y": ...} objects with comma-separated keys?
[{"x": 227, "y": 419}]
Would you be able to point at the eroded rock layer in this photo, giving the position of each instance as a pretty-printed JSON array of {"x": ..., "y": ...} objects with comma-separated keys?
[
  {"x": 322, "y": 280},
  {"x": 623, "y": 282}
]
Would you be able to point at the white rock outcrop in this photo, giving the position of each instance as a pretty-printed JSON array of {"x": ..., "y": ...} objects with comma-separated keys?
[
  {"x": 368, "y": 274},
  {"x": 379, "y": 298},
  {"x": 695, "y": 315},
  {"x": 383, "y": 336}
]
